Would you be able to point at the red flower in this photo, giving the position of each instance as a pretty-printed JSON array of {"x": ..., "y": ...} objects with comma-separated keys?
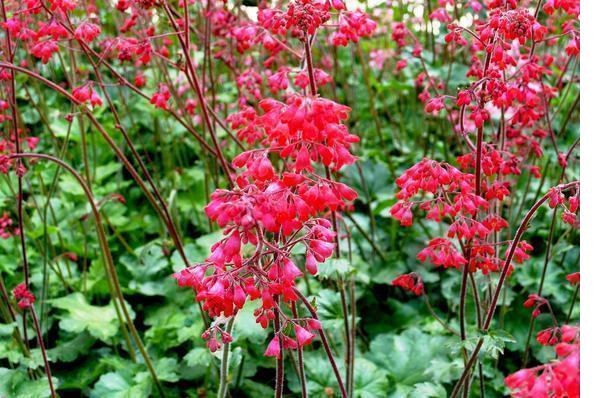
[
  {"x": 44, "y": 50},
  {"x": 161, "y": 97},
  {"x": 434, "y": 105},
  {"x": 411, "y": 282},
  {"x": 537, "y": 303},
  {"x": 87, "y": 32},
  {"x": 25, "y": 299},
  {"x": 573, "y": 278},
  {"x": 441, "y": 252},
  {"x": 86, "y": 93}
]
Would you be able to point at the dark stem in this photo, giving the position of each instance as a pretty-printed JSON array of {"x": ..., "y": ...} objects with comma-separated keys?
[
  {"x": 309, "y": 65},
  {"x": 43, "y": 350},
  {"x": 437, "y": 317}
]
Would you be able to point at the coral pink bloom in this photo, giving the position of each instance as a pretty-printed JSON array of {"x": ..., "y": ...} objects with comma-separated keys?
[
  {"x": 303, "y": 336},
  {"x": 273, "y": 349}
]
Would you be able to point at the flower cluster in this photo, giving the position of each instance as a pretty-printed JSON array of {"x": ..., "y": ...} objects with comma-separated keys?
[
  {"x": 25, "y": 299},
  {"x": 447, "y": 193},
  {"x": 410, "y": 282},
  {"x": 559, "y": 378},
  {"x": 284, "y": 197}
]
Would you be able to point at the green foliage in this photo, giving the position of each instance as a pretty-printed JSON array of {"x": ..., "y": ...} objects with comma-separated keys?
[{"x": 99, "y": 321}]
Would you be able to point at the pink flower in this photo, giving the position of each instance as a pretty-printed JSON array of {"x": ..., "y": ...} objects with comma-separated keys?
[
  {"x": 273, "y": 349},
  {"x": 44, "y": 50},
  {"x": 303, "y": 336},
  {"x": 434, "y": 105}
]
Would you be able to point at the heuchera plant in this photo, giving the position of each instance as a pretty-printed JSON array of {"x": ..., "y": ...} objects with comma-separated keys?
[{"x": 279, "y": 206}]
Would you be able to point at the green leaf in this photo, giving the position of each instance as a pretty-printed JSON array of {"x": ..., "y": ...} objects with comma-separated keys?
[
  {"x": 117, "y": 385},
  {"x": 199, "y": 356},
  {"x": 100, "y": 321},
  {"x": 408, "y": 357},
  {"x": 320, "y": 380},
  {"x": 428, "y": 390},
  {"x": 167, "y": 369},
  {"x": 495, "y": 341},
  {"x": 15, "y": 384},
  {"x": 149, "y": 269},
  {"x": 329, "y": 308},
  {"x": 369, "y": 380},
  {"x": 332, "y": 267},
  {"x": 68, "y": 351}
]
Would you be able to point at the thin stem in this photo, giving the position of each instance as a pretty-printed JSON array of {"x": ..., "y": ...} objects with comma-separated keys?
[
  {"x": 367, "y": 237},
  {"x": 301, "y": 373},
  {"x": 224, "y": 375},
  {"x": 102, "y": 131},
  {"x": 309, "y": 65},
  {"x": 437, "y": 317},
  {"x": 206, "y": 117},
  {"x": 279, "y": 370},
  {"x": 43, "y": 350},
  {"x": 542, "y": 280}
]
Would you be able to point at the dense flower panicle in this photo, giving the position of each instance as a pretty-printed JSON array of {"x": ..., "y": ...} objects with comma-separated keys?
[
  {"x": 271, "y": 210},
  {"x": 44, "y": 50},
  {"x": 352, "y": 26},
  {"x": 433, "y": 177},
  {"x": 512, "y": 24},
  {"x": 87, "y": 32},
  {"x": 307, "y": 130},
  {"x": 302, "y": 17}
]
